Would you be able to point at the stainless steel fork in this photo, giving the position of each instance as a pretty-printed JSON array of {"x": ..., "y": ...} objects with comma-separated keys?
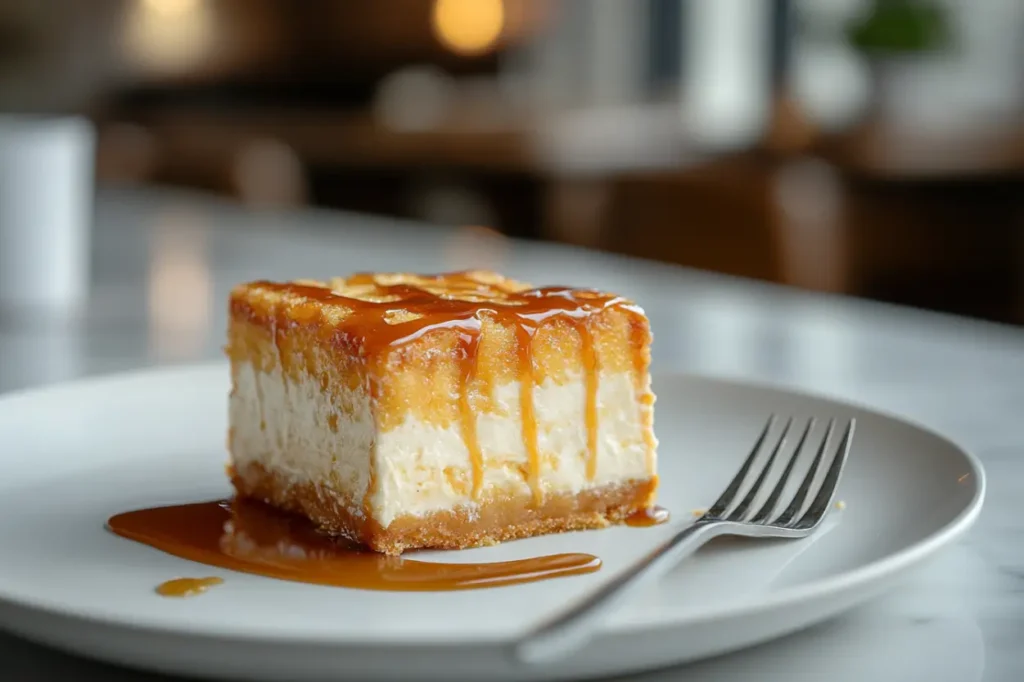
[{"x": 729, "y": 515}]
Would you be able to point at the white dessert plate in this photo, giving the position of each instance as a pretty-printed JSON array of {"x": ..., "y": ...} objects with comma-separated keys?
[{"x": 74, "y": 455}]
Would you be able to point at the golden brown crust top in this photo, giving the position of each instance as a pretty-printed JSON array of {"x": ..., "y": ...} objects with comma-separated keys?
[
  {"x": 399, "y": 298},
  {"x": 379, "y": 311}
]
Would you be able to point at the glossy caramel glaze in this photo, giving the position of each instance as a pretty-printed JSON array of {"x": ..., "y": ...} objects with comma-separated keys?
[
  {"x": 381, "y": 312},
  {"x": 651, "y": 516},
  {"x": 250, "y": 537},
  {"x": 187, "y": 587}
]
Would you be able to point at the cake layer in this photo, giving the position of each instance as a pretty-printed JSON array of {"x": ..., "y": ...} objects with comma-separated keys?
[
  {"x": 292, "y": 428},
  {"x": 462, "y": 527}
]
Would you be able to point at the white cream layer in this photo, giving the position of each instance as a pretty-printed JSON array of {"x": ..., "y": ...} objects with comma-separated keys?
[{"x": 416, "y": 463}]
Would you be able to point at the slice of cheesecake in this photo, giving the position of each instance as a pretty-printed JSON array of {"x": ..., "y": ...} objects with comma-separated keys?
[{"x": 445, "y": 411}]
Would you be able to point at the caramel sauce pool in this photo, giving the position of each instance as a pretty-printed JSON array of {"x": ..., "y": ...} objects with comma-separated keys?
[
  {"x": 651, "y": 516},
  {"x": 250, "y": 537},
  {"x": 187, "y": 587}
]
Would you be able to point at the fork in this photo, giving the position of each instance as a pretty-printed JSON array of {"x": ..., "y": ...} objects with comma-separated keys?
[{"x": 573, "y": 628}]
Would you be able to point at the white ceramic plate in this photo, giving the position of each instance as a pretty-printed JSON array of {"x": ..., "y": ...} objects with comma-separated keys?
[{"x": 74, "y": 455}]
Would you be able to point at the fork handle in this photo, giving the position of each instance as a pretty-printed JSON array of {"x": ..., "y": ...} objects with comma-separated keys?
[{"x": 572, "y": 628}]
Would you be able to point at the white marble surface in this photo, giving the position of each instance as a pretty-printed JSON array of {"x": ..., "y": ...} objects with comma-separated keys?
[{"x": 163, "y": 264}]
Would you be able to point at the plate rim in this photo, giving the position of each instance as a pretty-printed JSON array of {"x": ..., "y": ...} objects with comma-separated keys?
[{"x": 874, "y": 571}]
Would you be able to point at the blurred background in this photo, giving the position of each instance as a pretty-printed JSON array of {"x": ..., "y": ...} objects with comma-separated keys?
[{"x": 872, "y": 148}]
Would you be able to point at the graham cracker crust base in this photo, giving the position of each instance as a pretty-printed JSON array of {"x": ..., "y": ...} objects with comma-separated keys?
[{"x": 491, "y": 522}]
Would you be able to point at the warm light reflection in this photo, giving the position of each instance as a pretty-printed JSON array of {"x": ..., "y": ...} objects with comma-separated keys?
[
  {"x": 180, "y": 287},
  {"x": 808, "y": 196},
  {"x": 269, "y": 173},
  {"x": 169, "y": 35},
  {"x": 720, "y": 333},
  {"x": 469, "y": 27},
  {"x": 414, "y": 98},
  {"x": 821, "y": 348},
  {"x": 171, "y": 8},
  {"x": 475, "y": 247}
]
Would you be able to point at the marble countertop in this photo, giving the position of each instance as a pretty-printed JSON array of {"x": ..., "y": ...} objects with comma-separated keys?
[{"x": 163, "y": 263}]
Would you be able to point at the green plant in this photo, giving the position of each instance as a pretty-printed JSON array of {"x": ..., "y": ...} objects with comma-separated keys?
[{"x": 902, "y": 26}]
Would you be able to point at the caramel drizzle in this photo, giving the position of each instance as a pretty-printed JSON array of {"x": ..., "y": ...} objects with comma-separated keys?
[
  {"x": 590, "y": 374},
  {"x": 640, "y": 342},
  {"x": 463, "y": 307},
  {"x": 524, "y": 339}
]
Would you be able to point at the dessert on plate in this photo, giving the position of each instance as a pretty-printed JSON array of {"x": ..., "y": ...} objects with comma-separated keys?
[{"x": 445, "y": 411}]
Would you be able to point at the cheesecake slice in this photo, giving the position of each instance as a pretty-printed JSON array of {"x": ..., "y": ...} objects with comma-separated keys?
[{"x": 445, "y": 411}]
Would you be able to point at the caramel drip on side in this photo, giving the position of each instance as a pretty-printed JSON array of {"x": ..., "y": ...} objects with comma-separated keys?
[
  {"x": 637, "y": 341},
  {"x": 373, "y": 389},
  {"x": 524, "y": 339},
  {"x": 187, "y": 587},
  {"x": 467, "y": 415},
  {"x": 590, "y": 379},
  {"x": 250, "y": 537},
  {"x": 641, "y": 360}
]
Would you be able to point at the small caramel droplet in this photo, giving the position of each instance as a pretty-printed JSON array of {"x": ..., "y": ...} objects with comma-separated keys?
[
  {"x": 187, "y": 587},
  {"x": 651, "y": 516}
]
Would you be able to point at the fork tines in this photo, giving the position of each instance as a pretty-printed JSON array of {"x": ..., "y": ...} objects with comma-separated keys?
[{"x": 730, "y": 506}]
